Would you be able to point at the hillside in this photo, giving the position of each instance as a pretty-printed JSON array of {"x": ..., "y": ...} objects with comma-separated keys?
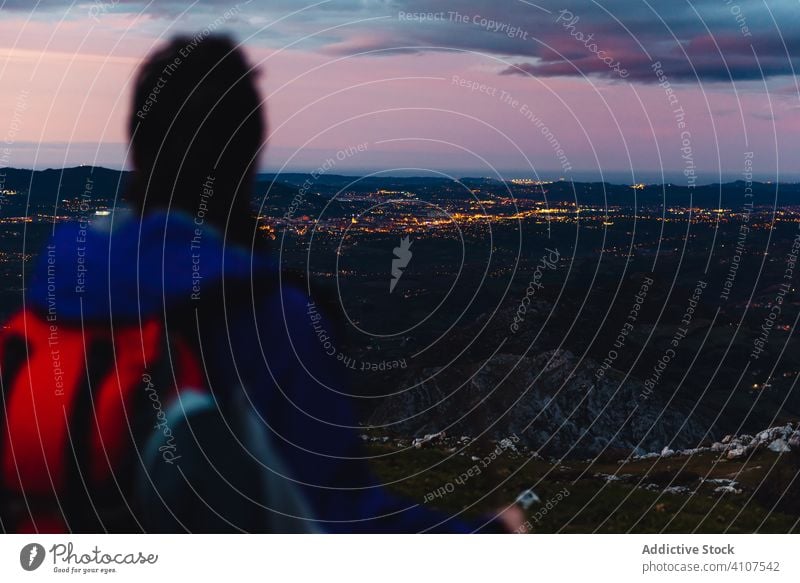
[{"x": 678, "y": 492}]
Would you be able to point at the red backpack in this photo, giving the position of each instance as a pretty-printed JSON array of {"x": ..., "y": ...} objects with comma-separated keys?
[{"x": 78, "y": 404}]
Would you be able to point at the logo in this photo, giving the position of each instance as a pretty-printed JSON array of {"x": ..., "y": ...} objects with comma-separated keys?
[
  {"x": 402, "y": 257},
  {"x": 31, "y": 556}
]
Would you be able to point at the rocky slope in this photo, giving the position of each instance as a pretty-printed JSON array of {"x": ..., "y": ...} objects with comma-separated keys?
[
  {"x": 555, "y": 405},
  {"x": 782, "y": 439}
]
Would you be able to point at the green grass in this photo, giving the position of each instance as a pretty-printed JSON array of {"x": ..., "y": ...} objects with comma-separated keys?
[{"x": 593, "y": 504}]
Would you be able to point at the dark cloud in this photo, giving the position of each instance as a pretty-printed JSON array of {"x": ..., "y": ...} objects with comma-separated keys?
[
  {"x": 709, "y": 40},
  {"x": 707, "y": 58}
]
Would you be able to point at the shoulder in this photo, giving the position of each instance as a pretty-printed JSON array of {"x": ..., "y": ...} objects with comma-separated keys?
[{"x": 287, "y": 295}]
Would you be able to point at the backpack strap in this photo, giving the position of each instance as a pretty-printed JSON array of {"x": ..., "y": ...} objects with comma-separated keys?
[
  {"x": 217, "y": 471},
  {"x": 290, "y": 511}
]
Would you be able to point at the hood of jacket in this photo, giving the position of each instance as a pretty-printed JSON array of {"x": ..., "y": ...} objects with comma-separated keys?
[{"x": 138, "y": 267}]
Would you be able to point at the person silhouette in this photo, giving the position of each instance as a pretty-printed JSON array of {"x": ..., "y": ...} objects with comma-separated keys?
[{"x": 184, "y": 293}]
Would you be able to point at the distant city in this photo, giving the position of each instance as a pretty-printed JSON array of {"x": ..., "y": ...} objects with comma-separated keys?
[{"x": 476, "y": 242}]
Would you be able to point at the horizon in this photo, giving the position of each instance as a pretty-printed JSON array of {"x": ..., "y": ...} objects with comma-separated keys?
[{"x": 612, "y": 177}]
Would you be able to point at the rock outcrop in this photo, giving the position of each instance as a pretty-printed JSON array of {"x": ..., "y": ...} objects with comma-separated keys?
[
  {"x": 555, "y": 404},
  {"x": 780, "y": 439}
]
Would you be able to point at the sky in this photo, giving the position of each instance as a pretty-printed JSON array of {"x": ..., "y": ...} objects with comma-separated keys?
[{"x": 622, "y": 90}]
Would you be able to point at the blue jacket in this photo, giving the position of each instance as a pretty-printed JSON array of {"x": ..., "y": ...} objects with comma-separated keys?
[{"x": 153, "y": 266}]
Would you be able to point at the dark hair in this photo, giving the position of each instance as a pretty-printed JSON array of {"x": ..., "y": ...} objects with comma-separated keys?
[{"x": 196, "y": 122}]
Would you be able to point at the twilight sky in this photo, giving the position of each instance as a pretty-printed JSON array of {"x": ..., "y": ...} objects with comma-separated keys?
[{"x": 469, "y": 87}]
